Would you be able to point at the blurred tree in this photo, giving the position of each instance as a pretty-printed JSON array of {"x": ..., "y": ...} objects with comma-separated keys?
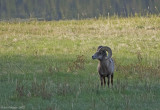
[{"x": 75, "y": 9}]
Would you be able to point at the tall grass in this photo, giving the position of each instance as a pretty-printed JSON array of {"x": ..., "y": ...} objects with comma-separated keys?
[{"x": 47, "y": 65}]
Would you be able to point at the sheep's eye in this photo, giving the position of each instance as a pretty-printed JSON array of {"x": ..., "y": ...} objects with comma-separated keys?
[{"x": 100, "y": 53}]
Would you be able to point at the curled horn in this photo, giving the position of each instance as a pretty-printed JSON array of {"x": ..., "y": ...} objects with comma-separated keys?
[{"x": 105, "y": 48}]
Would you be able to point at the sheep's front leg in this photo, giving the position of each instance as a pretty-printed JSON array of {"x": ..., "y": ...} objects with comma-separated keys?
[{"x": 101, "y": 78}]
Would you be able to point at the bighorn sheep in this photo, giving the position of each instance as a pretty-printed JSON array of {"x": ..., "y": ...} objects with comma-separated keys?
[{"x": 106, "y": 64}]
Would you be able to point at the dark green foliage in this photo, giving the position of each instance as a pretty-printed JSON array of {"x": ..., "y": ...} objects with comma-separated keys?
[{"x": 75, "y": 9}]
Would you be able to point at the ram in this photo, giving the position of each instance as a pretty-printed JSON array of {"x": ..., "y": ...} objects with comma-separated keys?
[{"x": 105, "y": 65}]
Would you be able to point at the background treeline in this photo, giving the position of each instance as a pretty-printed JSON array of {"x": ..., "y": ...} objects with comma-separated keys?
[{"x": 75, "y": 9}]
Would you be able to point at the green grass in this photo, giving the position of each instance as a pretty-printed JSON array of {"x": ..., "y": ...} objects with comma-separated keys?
[{"x": 48, "y": 65}]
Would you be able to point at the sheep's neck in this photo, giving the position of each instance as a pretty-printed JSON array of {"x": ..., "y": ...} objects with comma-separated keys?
[{"x": 103, "y": 65}]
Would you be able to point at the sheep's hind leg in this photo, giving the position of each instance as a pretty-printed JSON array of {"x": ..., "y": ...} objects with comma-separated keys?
[
  {"x": 108, "y": 80},
  {"x": 112, "y": 79},
  {"x": 104, "y": 81}
]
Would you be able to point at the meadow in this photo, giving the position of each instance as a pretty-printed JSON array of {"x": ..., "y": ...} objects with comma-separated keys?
[{"x": 47, "y": 65}]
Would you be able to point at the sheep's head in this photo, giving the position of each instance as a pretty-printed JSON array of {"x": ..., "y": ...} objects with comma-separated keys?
[{"x": 101, "y": 53}]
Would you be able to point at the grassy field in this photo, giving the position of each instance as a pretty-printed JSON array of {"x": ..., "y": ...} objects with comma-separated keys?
[{"x": 48, "y": 65}]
